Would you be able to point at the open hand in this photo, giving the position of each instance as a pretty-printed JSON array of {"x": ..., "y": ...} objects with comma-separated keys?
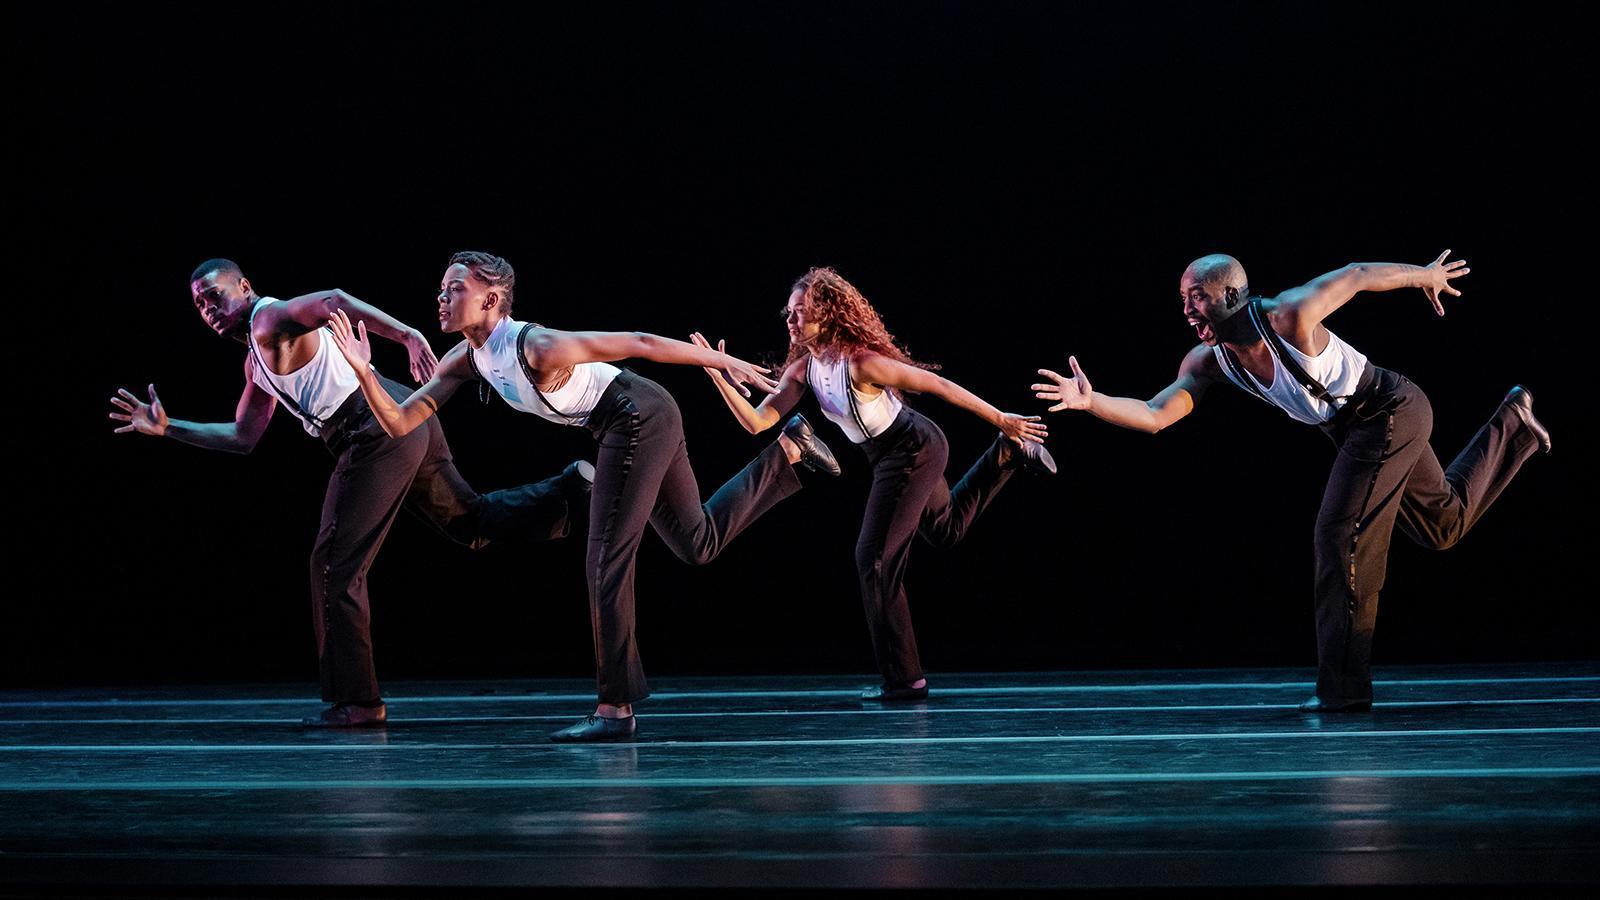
[
  {"x": 1438, "y": 275},
  {"x": 1069, "y": 393},
  {"x": 145, "y": 418},
  {"x": 352, "y": 342},
  {"x": 1021, "y": 428},
  {"x": 423, "y": 362},
  {"x": 739, "y": 373}
]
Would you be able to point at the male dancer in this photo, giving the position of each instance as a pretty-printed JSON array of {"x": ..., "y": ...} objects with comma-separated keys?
[
  {"x": 291, "y": 359},
  {"x": 1385, "y": 473}
]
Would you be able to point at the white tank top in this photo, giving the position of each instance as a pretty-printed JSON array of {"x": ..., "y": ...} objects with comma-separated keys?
[
  {"x": 500, "y": 363},
  {"x": 1338, "y": 367},
  {"x": 829, "y": 381},
  {"x": 316, "y": 389}
]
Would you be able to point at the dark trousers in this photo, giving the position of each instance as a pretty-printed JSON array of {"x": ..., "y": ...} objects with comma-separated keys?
[
  {"x": 642, "y": 475},
  {"x": 374, "y": 476},
  {"x": 1385, "y": 475},
  {"x": 910, "y": 496}
]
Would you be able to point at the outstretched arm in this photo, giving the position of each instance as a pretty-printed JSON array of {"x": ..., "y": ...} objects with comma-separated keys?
[
  {"x": 1177, "y": 400},
  {"x": 1298, "y": 311},
  {"x": 772, "y": 408},
  {"x": 250, "y": 418},
  {"x": 398, "y": 419},
  {"x": 549, "y": 350},
  {"x": 316, "y": 310},
  {"x": 879, "y": 369}
]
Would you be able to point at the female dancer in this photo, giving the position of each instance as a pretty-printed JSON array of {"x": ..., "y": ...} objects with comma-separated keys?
[
  {"x": 642, "y": 472},
  {"x": 840, "y": 348}
]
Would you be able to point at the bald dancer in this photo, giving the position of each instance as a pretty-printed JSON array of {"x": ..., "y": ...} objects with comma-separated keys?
[{"x": 1385, "y": 474}]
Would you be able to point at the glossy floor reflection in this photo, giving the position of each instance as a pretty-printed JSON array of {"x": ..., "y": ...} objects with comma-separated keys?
[{"x": 1462, "y": 776}]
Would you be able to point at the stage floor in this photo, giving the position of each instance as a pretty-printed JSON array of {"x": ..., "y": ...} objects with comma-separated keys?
[{"x": 1462, "y": 776}]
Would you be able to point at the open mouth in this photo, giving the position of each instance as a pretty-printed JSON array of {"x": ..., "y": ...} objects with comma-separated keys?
[{"x": 1202, "y": 328}]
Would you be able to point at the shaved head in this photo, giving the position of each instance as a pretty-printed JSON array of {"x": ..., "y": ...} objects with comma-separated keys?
[
  {"x": 1218, "y": 272},
  {"x": 219, "y": 265}
]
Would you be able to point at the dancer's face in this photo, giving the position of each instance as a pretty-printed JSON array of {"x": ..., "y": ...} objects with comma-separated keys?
[
  {"x": 464, "y": 301},
  {"x": 222, "y": 299},
  {"x": 801, "y": 329},
  {"x": 1207, "y": 306}
]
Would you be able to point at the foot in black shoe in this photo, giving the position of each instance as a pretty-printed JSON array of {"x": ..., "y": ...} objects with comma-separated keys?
[
  {"x": 888, "y": 693},
  {"x": 349, "y": 715},
  {"x": 596, "y": 730},
  {"x": 577, "y": 481},
  {"x": 1031, "y": 456},
  {"x": 814, "y": 454},
  {"x": 1520, "y": 399},
  {"x": 1319, "y": 705}
]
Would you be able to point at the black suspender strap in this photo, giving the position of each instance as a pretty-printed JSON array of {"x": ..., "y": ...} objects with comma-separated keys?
[
  {"x": 483, "y": 383},
  {"x": 1280, "y": 352},
  {"x": 1274, "y": 343},
  {"x": 533, "y": 381},
  {"x": 266, "y": 375},
  {"x": 1241, "y": 376},
  {"x": 850, "y": 396}
]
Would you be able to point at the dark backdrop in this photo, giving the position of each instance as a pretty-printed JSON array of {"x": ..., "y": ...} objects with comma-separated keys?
[{"x": 1006, "y": 182}]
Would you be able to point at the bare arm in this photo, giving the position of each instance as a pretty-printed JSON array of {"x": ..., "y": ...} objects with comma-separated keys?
[
  {"x": 1177, "y": 400},
  {"x": 311, "y": 311},
  {"x": 398, "y": 419},
  {"x": 250, "y": 418},
  {"x": 773, "y": 407},
  {"x": 549, "y": 350},
  {"x": 1298, "y": 312},
  {"x": 879, "y": 369}
]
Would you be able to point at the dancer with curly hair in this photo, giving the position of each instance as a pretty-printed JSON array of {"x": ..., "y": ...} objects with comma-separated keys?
[
  {"x": 642, "y": 472},
  {"x": 840, "y": 349}
]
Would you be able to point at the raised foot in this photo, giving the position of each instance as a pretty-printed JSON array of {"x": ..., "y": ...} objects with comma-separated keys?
[
  {"x": 814, "y": 454},
  {"x": 1520, "y": 399}
]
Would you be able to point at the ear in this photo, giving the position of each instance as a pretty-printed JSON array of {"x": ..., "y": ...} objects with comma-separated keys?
[
  {"x": 244, "y": 286},
  {"x": 491, "y": 300},
  {"x": 1230, "y": 297}
]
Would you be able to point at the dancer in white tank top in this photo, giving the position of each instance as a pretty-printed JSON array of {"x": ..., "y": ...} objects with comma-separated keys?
[
  {"x": 839, "y": 347},
  {"x": 642, "y": 472},
  {"x": 1385, "y": 474},
  {"x": 291, "y": 358}
]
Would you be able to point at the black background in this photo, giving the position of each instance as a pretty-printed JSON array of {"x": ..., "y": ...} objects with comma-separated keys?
[{"x": 1006, "y": 182}]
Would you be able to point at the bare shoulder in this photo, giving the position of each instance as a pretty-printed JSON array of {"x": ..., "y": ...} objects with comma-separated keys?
[
  {"x": 799, "y": 370},
  {"x": 454, "y": 363},
  {"x": 1283, "y": 309},
  {"x": 869, "y": 365},
  {"x": 1201, "y": 363},
  {"x": 267, "y": 322}
]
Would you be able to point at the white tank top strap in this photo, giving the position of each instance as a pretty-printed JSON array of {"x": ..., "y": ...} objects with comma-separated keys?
[
  {"x": 860, "y": 418},
  {"x": 502, "y": 365},
  {"x": 1336, "y": 370},
  {"x": 316, "y": 390}
]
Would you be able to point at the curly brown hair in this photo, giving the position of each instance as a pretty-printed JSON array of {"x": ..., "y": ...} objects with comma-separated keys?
[{"x": 846, "y": 322}]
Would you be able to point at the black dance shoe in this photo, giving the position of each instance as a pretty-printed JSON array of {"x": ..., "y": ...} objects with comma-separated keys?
[
  {"x": 885, "y": 693},
  {"x": 1319, "y": 705},
  {"x": 577, "y": 481},
  {"x": 814, "y": 454},
  {"x": 349, "y": 715},
  {"x": 597, "y": 730},
  {"x": 1521, "y": 401},
  {"x": 1031, "y": 456}
]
